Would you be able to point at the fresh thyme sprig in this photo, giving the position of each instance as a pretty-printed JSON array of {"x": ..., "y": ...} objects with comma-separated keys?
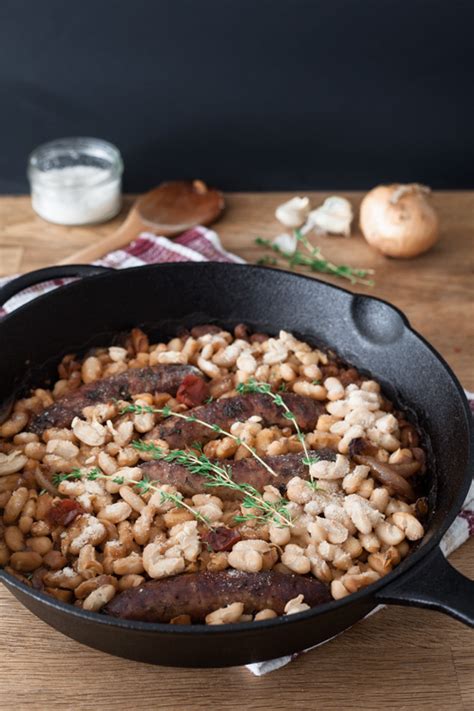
[
  {"x": 56, "y": 479},
  {"x": 142, "y": 486},
  {"x": 167, "y": 412},
  {"x": 177, "y": 500},
  {"x": 252, "y": 386},
  {"x": 219, "y": 475},
  {"x": 276, "y": 512},
  {"x": 354, "y": 275},
  {"x": 315, "y": 260}
]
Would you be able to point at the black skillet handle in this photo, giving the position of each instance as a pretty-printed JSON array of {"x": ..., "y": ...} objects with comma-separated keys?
[
  {"x": 434, "y": 584},
  {"x": 39, "y": 275}
]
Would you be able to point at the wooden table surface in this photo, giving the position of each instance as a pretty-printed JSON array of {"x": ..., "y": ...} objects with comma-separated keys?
[{"x": 398, "y": 659}]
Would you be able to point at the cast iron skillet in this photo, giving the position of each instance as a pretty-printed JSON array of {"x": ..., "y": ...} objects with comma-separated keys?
[{"x": 367, "y": 332}]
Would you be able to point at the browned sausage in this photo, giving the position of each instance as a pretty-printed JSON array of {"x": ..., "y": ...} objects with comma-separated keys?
[
  {"x": 161, "y": 378},
  {"x": 248, "y": 471},
  {"x": 179, "y": 433},
  {"x": 204, "y": 329},
  {"x": 198, "y": 594}
]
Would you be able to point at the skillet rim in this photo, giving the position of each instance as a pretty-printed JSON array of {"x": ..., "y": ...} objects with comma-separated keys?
[{"x": 184, "y": 630}]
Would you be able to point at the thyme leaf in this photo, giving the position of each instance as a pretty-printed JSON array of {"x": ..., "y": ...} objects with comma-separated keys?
[{"x": 72, "y": 475}]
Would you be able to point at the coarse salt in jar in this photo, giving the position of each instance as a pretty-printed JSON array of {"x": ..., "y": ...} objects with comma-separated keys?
[{"x": 76, "y": 181}]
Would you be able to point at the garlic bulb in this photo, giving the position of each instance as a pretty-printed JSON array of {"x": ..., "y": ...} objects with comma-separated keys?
[
  {"x": 293, "y": 213},
  {"x": 334, "y": 216},
  {"x": 399, "y": 220}
]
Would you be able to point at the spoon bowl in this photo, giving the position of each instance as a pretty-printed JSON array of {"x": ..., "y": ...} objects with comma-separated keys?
[{"x": 179, "y": 205}]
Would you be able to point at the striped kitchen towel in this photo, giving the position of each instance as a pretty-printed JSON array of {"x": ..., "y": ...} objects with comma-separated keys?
[{"x": 196, "y": 245}]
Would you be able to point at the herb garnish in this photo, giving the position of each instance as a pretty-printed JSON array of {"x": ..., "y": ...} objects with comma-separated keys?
[
  {"x": 142, "y": 486},
  {"x": 167, "y": 412},
  {"x": 197, "y": 463},
  {"x": 252, "y": 386},
  {"x": 220, "y": 475},
  {"x": 315, "y": 260}
]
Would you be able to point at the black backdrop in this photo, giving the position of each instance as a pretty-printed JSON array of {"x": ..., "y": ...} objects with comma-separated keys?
[{"x": 248, "y": 94}]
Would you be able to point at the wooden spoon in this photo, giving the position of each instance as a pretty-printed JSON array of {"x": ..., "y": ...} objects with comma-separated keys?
[{"x": 167, "y": 210}]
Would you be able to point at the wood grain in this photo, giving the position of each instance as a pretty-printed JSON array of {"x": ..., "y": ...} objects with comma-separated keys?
[{"x": 398, "y": 659}]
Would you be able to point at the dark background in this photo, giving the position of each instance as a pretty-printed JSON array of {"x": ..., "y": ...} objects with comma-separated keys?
[{"x": 247, "y": 94}]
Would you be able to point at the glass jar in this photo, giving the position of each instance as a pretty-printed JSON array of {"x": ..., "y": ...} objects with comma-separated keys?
[{"x": 76, "y": 181}]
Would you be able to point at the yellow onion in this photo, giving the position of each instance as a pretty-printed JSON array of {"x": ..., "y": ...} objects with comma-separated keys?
[{"x": 399, "y": 220}]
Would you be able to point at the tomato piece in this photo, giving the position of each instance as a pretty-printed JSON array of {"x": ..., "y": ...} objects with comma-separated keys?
[
  {"x": 222, "y": 539},
  {"x": 64, "y": 512},
  {"x": 192, "y": 391}
]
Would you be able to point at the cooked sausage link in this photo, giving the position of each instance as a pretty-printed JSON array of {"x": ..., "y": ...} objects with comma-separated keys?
[
  {"x": 204, "y": 329},
  {"x": 179, "y": 433},
  {"x": 244, "y": 471},
  {"x": 197, "y": 594},
  {"x": 162, "y": 378}
]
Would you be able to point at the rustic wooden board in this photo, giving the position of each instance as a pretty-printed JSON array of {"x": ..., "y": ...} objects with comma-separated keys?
[{"x": 400, "y": 658}]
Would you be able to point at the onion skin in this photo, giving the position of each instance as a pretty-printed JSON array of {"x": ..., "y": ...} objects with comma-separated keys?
[
  {"x": 407, "y": 469},
  {"x": 387, "y": 476},
  {"x": 43, "y": 481},
  {"x": 398, "y": 220}
]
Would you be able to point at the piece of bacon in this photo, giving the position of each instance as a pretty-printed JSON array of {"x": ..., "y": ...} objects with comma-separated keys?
[
  {"x": 64, "y": 512},
  {"x": 221, "y": 539},
  {"x": 193, "y": 391}
]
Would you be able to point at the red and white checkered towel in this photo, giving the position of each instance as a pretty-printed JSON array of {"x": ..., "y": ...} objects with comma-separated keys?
[
  {"x": 196, "y": 245},
  {"x": 202, "y": 245}
]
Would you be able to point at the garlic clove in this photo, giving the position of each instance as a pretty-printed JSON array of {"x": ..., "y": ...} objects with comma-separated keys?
[
  {"x": 294, "y": 212},
  {"x": 338, "y": 206},
  {"x": 287, "y": 243},
  {"x": 333, "y": 216}
]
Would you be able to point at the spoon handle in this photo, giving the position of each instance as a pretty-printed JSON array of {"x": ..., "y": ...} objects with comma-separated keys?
[
  {"x": 180, "y": 204},
  {"x": 127, "y": 232}
]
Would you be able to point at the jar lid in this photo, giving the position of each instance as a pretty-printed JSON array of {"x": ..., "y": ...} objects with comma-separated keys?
[{"x": 48, "y": 160}]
